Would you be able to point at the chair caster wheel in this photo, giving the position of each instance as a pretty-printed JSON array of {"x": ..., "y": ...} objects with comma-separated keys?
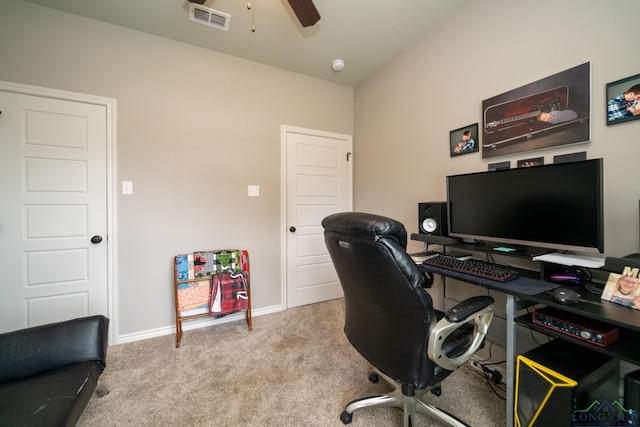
[
  {"x": 373, "y": 377},
  {"x": 437, "y": 391},
  {"x": 346, "y": 417}
]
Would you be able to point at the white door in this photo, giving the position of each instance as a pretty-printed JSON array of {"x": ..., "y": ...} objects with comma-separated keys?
[
  {"x": 318, "y": 179},
  {"x": 53, "y": 192}
]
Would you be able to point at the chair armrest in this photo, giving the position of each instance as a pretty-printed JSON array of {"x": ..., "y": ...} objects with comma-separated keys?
[
  {"x": 480, "y": 309},
  {"x": 33, "y": 350},
  {"x": 464, "y": 309}
]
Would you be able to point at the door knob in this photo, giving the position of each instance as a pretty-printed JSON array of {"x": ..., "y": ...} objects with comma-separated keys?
[
  {"x": 292, "y": 229},
  {"x": 96, "y": 239}
]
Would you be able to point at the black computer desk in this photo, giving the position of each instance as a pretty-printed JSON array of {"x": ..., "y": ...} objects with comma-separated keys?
[{"x": 526, "y": 292}]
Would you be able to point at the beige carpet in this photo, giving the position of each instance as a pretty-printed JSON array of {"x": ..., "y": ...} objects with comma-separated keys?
[{"x": 296, "y": 368}]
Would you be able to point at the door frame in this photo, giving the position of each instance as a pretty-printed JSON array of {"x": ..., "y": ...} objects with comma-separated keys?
[
  {"x": 111, "y": 240},
  {"x": 284, "y": 129}
]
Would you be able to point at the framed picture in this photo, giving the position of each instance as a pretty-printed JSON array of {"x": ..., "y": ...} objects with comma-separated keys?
[
  {"x": 549, "y": 112},
  {"x": 622, "y": 289},
  {"x": 526, "y": 163},
  {"x": 499, "y": 166},
  {"x": 571, "y": 157},
  {"x": 464, "y": 140},
  {"x": 623, "y": 100}
]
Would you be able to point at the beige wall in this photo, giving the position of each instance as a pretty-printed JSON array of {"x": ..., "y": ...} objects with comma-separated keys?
[
  {"x": 184, "y": 113},
  {"x": 403, "y": 114},
  {"x": 194, "y": 129}
]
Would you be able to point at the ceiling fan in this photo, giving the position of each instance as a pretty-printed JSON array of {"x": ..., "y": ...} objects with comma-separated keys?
[{"x": 305, "y": 10}]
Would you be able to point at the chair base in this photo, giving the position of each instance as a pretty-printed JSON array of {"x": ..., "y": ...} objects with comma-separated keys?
[{"x": 410, "y": 405}]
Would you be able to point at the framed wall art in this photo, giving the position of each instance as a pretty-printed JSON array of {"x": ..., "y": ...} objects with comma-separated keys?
[
  {"x": 571, "y": 157},
  {"x": 623, "y": 100},
  {"x": 550, "y": 112},
  {"x": 499, "y": 166},
  {"x": 464, "y": 140},
  {"x": 527, "y": 163}
]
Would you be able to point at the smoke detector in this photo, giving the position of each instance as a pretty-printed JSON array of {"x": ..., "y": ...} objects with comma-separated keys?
[
  {"x": 212, "y": 18},
  {"x": 337, "y": 65}
]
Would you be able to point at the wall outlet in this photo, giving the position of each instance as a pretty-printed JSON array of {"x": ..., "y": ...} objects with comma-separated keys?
[
  {"x": 476, "y": 365},
  {"x": 253, "y": 191}
]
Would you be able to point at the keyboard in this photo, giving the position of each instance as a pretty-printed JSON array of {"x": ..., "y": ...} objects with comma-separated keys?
[{"x": 474, "y": 267}]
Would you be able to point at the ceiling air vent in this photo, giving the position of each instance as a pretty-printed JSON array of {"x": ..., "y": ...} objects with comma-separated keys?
[{"x": 210, "y": 17}]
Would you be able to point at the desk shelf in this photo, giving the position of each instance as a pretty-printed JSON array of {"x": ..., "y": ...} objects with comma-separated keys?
[
  {"x": 488, "y": 248},
  {"x": 619, "y": 349},
  {"x": 592, "y": 306}
]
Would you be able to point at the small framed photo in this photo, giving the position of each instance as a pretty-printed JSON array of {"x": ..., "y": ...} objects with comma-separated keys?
[
  {"x": 622, "y": 289},
  {"x": 464, "y": 140},
  {"x": 527, "y": 163},
  {"x": 623, "y": 100},
  {"x": 499, "y": 166}
]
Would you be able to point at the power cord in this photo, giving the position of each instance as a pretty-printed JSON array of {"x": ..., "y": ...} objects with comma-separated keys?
[{"x": 492, "y": 376}]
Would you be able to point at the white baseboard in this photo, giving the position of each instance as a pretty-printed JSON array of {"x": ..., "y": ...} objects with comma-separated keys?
[{"x": 194, "y": 324}]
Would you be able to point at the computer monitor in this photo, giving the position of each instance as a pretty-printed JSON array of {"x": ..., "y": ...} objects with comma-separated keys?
[{"x": 557, "y": 206}]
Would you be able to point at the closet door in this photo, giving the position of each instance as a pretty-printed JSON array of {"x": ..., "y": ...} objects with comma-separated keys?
[{"x": 53, "y": 215}]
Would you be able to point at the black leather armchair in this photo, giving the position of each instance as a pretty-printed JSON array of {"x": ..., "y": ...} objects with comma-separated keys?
[
  {"x": 390, "y": 319},
  {"x": 48, "y": 373}
]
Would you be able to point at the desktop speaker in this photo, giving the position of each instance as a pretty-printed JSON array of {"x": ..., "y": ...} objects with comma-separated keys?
[{"x": 432, "y": 218}]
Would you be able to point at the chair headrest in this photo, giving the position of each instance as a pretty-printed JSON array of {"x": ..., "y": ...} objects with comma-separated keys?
[{"x": 365, "y": 225}]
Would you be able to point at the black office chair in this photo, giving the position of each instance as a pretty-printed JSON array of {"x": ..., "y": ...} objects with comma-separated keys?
[{"x": 390, "y": 319}]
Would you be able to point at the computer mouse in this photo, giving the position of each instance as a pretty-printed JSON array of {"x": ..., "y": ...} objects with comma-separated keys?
[{"x": 566, "y": 295}]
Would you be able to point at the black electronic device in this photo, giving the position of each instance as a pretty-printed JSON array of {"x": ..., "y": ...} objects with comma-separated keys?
[
  {"x": 579, "y": 327},
  {"x": 571, "y": 275},
  {"x": 617, "y": 265},
  {"x": 557, "y": 206},
  {"x": 432, "y": 218},
  {"x": 558, "y": 378},
  {"x": 632, "y": 391},
  {"x": 473, "y": 267},
  {"x": 566, "y": 295}
]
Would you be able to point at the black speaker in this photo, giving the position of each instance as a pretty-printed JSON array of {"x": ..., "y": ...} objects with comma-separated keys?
[
  {"x": 432, "y": 218},
  {"x": 617, "y": 265}
]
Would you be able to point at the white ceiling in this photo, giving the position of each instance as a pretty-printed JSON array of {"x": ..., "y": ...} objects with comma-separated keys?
[{"x": 366, "y": 34}]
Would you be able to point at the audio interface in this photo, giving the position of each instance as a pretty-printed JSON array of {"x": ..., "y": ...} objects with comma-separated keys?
[{"x": 580, "y": 327}]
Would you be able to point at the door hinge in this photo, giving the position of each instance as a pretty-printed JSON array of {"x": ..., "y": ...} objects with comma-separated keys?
[{"x": 348, "y": 155}]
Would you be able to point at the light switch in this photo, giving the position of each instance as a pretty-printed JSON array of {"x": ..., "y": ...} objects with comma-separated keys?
[
  {"x": 253, "y": 191},
  {"x": 127, "y": 187}
]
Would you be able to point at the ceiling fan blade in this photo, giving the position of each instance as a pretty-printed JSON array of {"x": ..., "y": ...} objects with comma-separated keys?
[{"x": 306, "y": 12}]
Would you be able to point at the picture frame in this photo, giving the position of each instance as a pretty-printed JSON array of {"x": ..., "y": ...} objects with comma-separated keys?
[
  {"x": 571, "y": 157},
  {"x": 499, "y": 166},
  {"x": 622, "y": 289},
  {"x": 464, "y": 140},
  {"x": 527, "y": 163},
  {"x": 619, "y": 109},
  {"x": 546, "y": 113}
]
